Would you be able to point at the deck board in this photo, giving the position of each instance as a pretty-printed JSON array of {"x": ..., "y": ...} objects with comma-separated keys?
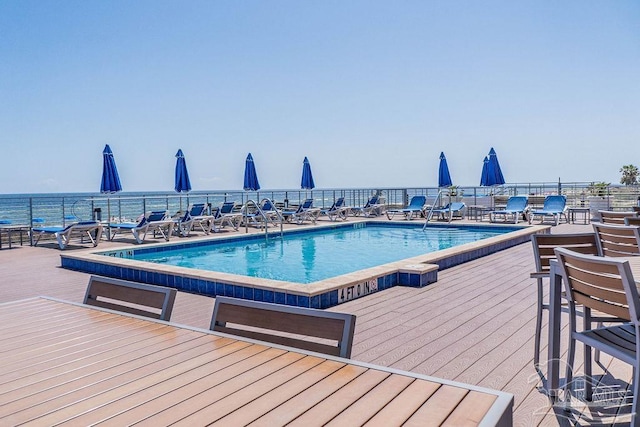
[{"x": 474, "y": 325}]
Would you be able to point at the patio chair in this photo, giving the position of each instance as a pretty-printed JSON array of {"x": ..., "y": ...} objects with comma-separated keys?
[
  {"x": 615, "y": 217},
  {"x": 155, "y": 222},
  {"x": 89, "y": 229},
  {"x": 372, "y": 208},
  {"x": 617, "y": 240},
  {"x": 607, "y": 285},
  {"x": 139, "y": 298},
  {"x": 448, "y": 212},
  {"x": 415, "y": 209},
  {"x": 337, "y": 211},
  {"x": 194, "y": 217},
  {"x": 555, "y": 206},
  {"x": 544, "y": 246},
  {"x": 304, "y": 212},
  {"x": 227, "y": 214},
  {"x": 515, "y": 209},
  {"x": 269, "y": 322},
  {"x": 632, "y": 221}
]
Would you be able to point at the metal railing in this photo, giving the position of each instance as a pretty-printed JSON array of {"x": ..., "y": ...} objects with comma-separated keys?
[{"x": 60, "y": 209}]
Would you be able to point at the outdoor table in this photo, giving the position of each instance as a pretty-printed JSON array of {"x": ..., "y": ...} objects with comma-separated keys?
[
  {"x": 67, "y": 362},
  {"x": 9, "y": 230},
  {"x": 585, "y": 212},
  {"x": 478, "y": 212},
  {"x": 555, "y": 305}
]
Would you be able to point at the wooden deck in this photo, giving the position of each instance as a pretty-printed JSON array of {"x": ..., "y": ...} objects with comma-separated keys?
[{"x": 475, "y": 325}]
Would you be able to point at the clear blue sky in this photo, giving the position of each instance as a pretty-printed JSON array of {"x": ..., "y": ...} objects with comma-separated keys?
[{"x": 371, "y": 91}]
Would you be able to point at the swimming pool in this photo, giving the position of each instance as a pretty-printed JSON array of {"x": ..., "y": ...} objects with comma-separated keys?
[
  {"x": 318, "y": 255},
  {"x": 413, "y": 271}
]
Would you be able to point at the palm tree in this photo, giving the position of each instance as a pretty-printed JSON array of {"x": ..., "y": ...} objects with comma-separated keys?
[{"x": 629, "y": 175}]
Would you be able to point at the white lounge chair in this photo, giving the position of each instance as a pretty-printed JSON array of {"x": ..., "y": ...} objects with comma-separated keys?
[
  {"x": 555, "y": 206},
  {"x": 305, "y": 212},
  {"x": 372, "y": 208},
  {"x": 89, "y": 229},
  {"x": 448, "y": 212},
  {"x": 516, "y": 206},
  {"x": 156, "y": 222},
  {"x": 337, "y": 211},
  {"x": 225, "y": 215},
  {"x": 413, "y": 210},
  {"x": 263, "y": 215},
  {"x": 194, "y": 217}
]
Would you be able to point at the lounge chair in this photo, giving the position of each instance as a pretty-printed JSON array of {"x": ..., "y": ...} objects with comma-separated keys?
[
  {"x": 516, "y": 206},
  {"x": 156, "y": 222},
  {"x": 413, "y": 210},
  {"x": 195, "y": 216},
  {"x": 372, "y": 208},
  {"x": 555, "y": 206},
  {"x": 305, "y": 212},
  {"x": 448, "y": 212},
  {"x": 90, "y": 229},
  {"x": 337, "y": 211},
  {"x": 226, "y": 214},
  {"x": 264, "y": 215}
]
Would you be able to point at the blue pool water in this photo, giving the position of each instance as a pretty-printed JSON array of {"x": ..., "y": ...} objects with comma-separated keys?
[{"x": 313, "y": 256}]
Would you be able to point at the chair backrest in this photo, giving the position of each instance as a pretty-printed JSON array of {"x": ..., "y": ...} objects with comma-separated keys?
[
  {"x": 373, "y": 200},
  {"x": 197, "y": 209},
  {"x": 227, "y": 207},
  {"x": 267, "y": 205},
  {"x": 338, "y": 203},
  {"x": 517, "y": 203},
  {"x": 544, "y": 246},
  {"x": 555, "y": 203},
  {"x": 615, "y": 217},
  {"x": 130, "y": 297},
  {"x": 632, "y": 221},
  {"x": 617, "y": 240},
  {"x": 457, "y": 206},
  {"x": 156, "y": 216},
  {"x": 293, "y": 326},
  {"x": 417, "y": 202},
  {"x": 603, "y": 284},
  {"x": 307, "y": 204}
]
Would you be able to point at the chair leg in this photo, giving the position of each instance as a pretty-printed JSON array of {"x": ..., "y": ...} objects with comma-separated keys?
[
  {"x": 536, "y": 354},
  {"x": 636, "y": 393},
  {"x": 571, "y": 355},
  {"x": 588, "y": 374}
]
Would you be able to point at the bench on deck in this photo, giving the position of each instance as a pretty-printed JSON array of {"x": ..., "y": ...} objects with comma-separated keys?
[
  {"x": 144, "y": 300},
  {"x": 265, "y": 318}
]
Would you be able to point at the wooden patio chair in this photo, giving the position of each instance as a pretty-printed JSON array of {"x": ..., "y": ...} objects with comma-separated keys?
[
  {"x": 617, "y": 240},
  {"x": 130, "y": 297},
  {"x": 615, "y": 217},
  {"x": 543, "y": 252},
  {"x": 606, "y": 285},
  {"x": 263, "y": 319}
]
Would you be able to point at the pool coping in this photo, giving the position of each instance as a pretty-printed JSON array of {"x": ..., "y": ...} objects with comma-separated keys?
[{"x": 418, "y": 271}]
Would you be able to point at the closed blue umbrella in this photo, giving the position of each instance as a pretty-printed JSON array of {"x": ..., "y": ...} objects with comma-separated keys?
[
  {"x": 444, "y": 178},
  {"x": 494, "y": 174},
  {"x": 110, "y": 179},
  {"x": 182, "y": 182},
  {"x": 485, "y": 169},
  {"x": 307, "y": 177},
  {"x": 250, "y": 176}
]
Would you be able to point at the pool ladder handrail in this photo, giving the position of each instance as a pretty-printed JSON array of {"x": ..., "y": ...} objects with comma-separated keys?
[
  {"x": 263, "y": 215},
  {"x": 435, "y": 203}
]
